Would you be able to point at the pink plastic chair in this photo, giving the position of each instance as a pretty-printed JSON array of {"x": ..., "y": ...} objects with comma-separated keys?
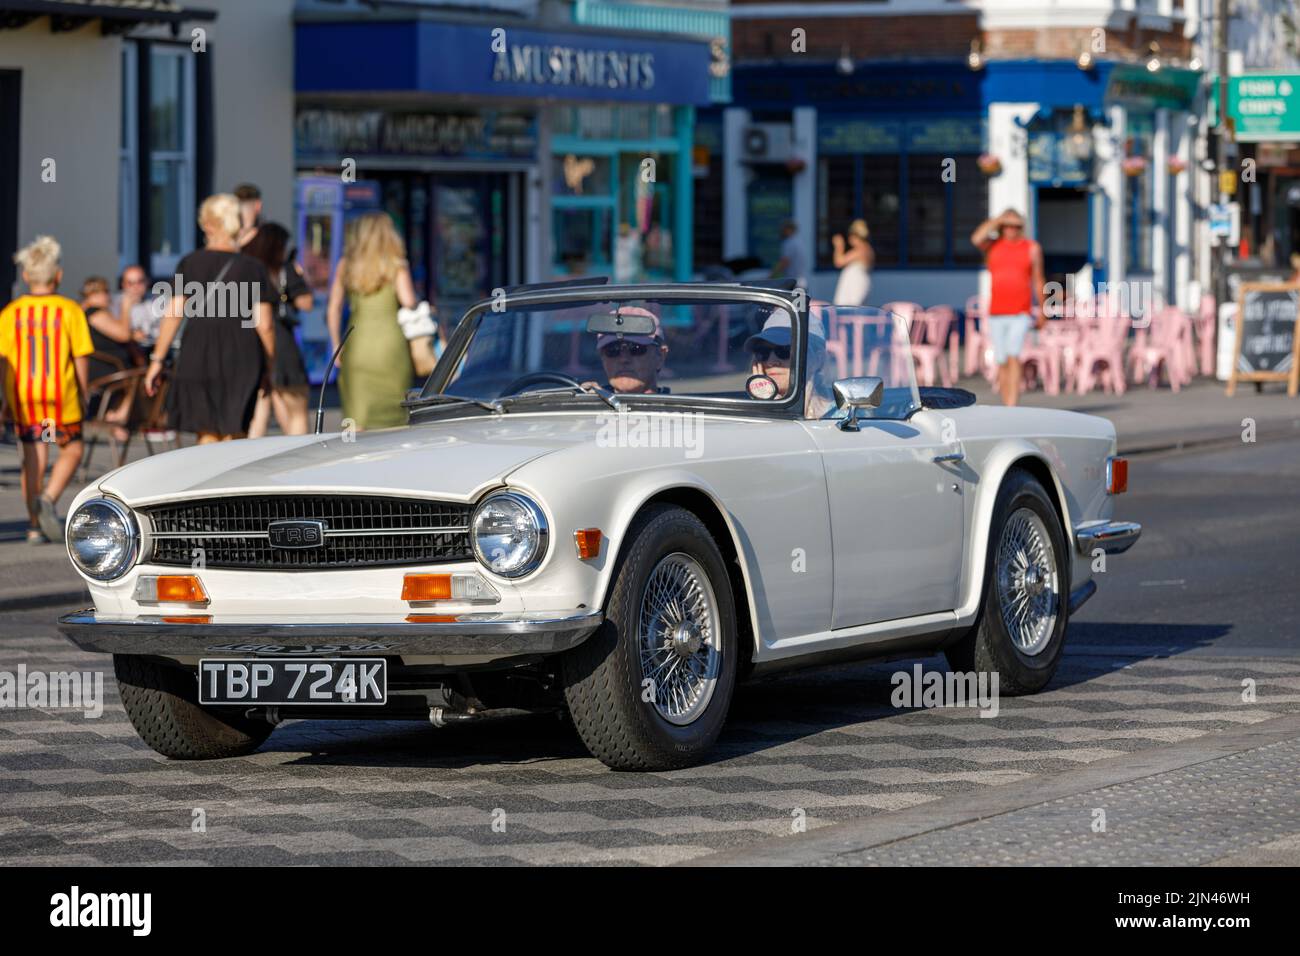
[
  {"x": 975, "y": 340},
  {"x": 1207, "y": 326},
  {"x": 1041, "y": 357},
  {"x": 1164, "y": 343},
  {"x": 1104, "y": 345},
  {"x": 937, "y": 332}
]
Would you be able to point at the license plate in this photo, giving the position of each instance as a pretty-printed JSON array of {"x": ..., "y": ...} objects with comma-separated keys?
[{"x": 352, "y": 681}]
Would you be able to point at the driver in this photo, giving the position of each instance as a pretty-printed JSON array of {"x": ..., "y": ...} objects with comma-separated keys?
[
  {"x": 633, "y": 362},
  {"x": 771, "y": 353}
]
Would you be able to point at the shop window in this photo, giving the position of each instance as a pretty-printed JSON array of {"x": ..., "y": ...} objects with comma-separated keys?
[
  {"x": 127, "y": 184},
  {"x": 1139, "y": 195},
  {"x": 582, "y": 240},
  {"x": 577, "y": 175},
  {"x": 706, "y": 171},
  {"x": 837, "y": 201},
  {"x": 927, "y": 210},
  {"x": 882, "y": 205},
  {"x": 171, "y": 156},
  {"x": 969, "y": 197}
]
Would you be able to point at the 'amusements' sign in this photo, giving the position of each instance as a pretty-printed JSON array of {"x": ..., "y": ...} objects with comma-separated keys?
[{"x": 1268, "y": 320}]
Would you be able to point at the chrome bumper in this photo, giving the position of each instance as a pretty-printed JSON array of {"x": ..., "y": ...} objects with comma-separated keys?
[
  {"x": 1113, "y": 537},
  {"x": 479, "y": 634}
]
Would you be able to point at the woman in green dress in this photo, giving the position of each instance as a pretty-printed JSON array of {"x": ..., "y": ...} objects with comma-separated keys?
[{"x": 375, "y": 367}]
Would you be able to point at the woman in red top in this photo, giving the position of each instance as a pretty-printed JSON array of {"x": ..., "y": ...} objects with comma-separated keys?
[{"x": 1015, "y": 264}]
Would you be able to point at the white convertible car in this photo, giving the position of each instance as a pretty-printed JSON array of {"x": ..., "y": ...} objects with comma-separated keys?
[{"x": 616, "y": 501}]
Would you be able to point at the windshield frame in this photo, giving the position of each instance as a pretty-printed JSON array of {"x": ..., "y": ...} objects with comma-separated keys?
[{"x": 791, "y": 406}]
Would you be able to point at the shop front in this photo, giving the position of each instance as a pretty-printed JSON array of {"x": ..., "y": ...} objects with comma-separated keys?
[
  {"x": 507, "y": 154},
  {"x": 454, "y": 181},
  {"x": 894, "y": 144}
]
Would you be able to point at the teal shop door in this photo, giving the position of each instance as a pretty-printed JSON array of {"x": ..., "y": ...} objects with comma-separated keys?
[{"x": 770, "y": 201}]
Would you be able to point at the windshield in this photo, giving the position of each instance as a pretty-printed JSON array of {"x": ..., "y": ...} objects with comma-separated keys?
[{"x": 740, "y": 350}]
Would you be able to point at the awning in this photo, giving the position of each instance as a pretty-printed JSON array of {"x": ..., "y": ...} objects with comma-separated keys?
[
  {"x": 459, "y": 59},
  {"x": 115, "y": 16}
]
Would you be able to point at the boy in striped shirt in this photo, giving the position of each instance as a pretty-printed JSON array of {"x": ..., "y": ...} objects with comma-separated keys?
[{"x": 44, "y": 342}]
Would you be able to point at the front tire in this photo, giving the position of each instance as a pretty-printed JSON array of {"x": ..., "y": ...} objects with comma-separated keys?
[
  {"x": 1020, "y": 632},
  {"x": 161, "y": 701},
  {"x": 651, "y": 688}
]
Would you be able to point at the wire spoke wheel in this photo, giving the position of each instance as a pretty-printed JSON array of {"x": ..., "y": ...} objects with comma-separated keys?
[
  {"x": 1028, "y": 585},
  {"x": 680, "y": 638}
]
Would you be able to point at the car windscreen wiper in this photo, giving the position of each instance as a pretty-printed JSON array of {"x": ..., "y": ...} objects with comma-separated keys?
[
  {"x": 604, "y": 394},
  {"x": 496, "y": 406}
]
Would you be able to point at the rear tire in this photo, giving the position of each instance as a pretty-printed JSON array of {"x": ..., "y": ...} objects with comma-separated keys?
[
  {"x": 1020, "y": 632},
  {"x": 670, "y": 619},
  {"x": 161, "y": 701}
]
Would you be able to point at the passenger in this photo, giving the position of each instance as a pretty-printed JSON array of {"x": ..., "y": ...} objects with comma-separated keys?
[
  {"x": 633, "y": 362},
  {"x": 771, "y": 349}
]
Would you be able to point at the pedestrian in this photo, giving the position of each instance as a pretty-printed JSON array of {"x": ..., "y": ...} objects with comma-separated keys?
[
  {"x": 793, "y": 263},
  {"x": 132, "y": 306},
  {"x": 289, "y": 382},
  {"x": 1015, "y": 265},
  {"x": 44, "y": 348},
  {"x": 854, "y": 263},
  {"x": 250, "y": 211},
  {"x": 376, "y": 365},
  {"x": 110, "y": 334},
  {"x": 228, "y": 347}
]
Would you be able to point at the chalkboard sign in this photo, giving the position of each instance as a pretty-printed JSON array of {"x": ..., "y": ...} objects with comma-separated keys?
[{"x": 1268, "y": 343}]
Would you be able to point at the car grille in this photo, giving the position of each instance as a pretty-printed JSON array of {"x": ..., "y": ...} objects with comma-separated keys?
[{"x": 360, "y": 531}]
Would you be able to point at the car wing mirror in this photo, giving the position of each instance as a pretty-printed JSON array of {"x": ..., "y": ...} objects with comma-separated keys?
[{"x": 854, "y": 393}]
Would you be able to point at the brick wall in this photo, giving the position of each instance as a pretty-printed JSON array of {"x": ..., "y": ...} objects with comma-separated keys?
[
  {"x": 866, "y": 37},
  {"x": 932, "y": 36}
]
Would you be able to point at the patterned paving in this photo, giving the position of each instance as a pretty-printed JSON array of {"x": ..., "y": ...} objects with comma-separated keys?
[{"x": 816, "y": 749}]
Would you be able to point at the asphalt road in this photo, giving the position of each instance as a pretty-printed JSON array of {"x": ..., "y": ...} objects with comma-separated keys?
[{"x": 1152, "y": 680}]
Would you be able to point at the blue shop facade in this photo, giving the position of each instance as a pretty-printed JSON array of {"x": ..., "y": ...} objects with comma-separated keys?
[
  {"x": 507, "y": 151},
  {"x": 1098, "y": 160}
]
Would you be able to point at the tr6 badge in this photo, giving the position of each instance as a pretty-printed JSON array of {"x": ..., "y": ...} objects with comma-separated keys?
[{"x": 296, "y": 534}]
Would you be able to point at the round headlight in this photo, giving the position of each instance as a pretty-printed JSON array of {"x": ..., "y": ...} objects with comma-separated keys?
[
  {"x": 102, "y": 539},
  {"x": 509, "y": 534}
]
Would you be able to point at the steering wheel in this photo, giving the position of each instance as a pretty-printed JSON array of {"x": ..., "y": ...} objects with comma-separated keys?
[{"x": 537, "y": 378}]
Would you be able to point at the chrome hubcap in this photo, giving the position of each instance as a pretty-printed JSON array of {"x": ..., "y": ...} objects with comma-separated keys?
[
  {"x": 680, "y": 638},
  {"x": 1028, "y": 587}
]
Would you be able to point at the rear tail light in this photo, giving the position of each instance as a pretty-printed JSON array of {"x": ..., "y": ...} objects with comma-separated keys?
[{"x": 1116, "y": 475}]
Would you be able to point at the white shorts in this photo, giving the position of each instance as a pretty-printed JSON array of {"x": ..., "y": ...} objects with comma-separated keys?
[{"x": 1007, "y": 333}]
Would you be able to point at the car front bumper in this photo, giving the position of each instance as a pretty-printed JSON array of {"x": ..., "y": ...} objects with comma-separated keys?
[{"x": 471, "y": 634}]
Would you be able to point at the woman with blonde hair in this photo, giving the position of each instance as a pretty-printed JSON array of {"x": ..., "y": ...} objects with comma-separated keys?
[
  {"x": 228, "y": 346},
  {"x": 376, "y": 365},
  {"x": 854, "y": 263}
]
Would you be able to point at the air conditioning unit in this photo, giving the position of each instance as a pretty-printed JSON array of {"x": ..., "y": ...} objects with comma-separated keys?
[{"x": 767, "y": 143}]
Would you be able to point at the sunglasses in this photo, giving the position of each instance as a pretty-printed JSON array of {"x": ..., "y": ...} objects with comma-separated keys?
[
  {"x": 615, "y": 349},
  {"x": 763, "y": 352}
]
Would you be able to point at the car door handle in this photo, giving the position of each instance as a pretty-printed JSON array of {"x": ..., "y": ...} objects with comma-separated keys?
[{"x": 954, "y": 456}]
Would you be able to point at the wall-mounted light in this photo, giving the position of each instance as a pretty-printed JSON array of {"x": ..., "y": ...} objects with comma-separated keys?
[
  {"x": 844, "y": 65},
  {"x": 1080, "y": 141},
  {"x": 1153, "y": 57},
  {"x": 975, "y": 59},
  {"x": 1085, "y": 60},
  {"x": 1195, "y": 64}
]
